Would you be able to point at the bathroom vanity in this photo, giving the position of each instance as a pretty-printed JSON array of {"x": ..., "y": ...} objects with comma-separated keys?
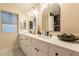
[{"x": 35, "y": 45}]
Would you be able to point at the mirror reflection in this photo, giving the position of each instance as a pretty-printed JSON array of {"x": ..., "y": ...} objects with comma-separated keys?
[
  {"x": 23, "y": 24},
  {"x": 51, "y": 18},
  {"x": 32, "y": 24}
]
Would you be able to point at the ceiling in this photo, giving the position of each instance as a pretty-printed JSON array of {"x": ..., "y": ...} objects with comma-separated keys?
[{"x": 21, "y": 6}]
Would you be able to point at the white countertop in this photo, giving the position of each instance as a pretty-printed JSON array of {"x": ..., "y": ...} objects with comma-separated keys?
[{"x": 55, "y": 40}]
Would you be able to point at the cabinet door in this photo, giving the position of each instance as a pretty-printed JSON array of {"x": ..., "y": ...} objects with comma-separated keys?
[
  {"x": 28, "y": 45},
  {"x": 58, "y": 51},
  {"x": 27, "y": 51},
  {"x": 33, "y": 51},
  {"x": 25, "y": 44},
  {"x": 39, "y": 44},
  {"x": 75, "y": 53}
]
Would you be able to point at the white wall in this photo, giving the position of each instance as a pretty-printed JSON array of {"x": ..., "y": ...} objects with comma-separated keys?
[
  {"x": 70, "y": 17},
  {"x": 8, "y": 40}
]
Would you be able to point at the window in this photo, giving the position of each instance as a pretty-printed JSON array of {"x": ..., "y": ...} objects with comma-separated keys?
[{"x": 9, "y": 22}]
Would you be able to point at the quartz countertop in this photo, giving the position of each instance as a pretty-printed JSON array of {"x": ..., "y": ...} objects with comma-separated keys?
[{"x": 74, "y": 46}]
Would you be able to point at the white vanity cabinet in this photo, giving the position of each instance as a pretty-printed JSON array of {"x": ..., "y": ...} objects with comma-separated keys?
[
  {"x": 32, "y": 46},
  {"x": 25, "y": 44},
  {"x": 39, "y": 48}
]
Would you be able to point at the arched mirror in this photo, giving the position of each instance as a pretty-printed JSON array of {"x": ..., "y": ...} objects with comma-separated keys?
[
  {"x": 51, "y": 18},
  {"x": 32, "y": 24}
]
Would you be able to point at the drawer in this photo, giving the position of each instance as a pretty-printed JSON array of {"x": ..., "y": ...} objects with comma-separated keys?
[
  {"x": 58, "y": 51},
  {"x": 39, "y": 44},
  {"x": 22, "y": 36},
  {"x": 27, "y": 40},
  {"x": 41, "y": 53},
  {"x": 34, "y": 52}
]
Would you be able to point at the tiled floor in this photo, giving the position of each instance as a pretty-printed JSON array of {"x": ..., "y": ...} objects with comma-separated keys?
[{"x": 13, "y": 52}]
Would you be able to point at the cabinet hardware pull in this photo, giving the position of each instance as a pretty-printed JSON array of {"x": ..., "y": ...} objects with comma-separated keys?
[
  {"x": 35, "y": 48},
  {"x": 56, "y": 54}
]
